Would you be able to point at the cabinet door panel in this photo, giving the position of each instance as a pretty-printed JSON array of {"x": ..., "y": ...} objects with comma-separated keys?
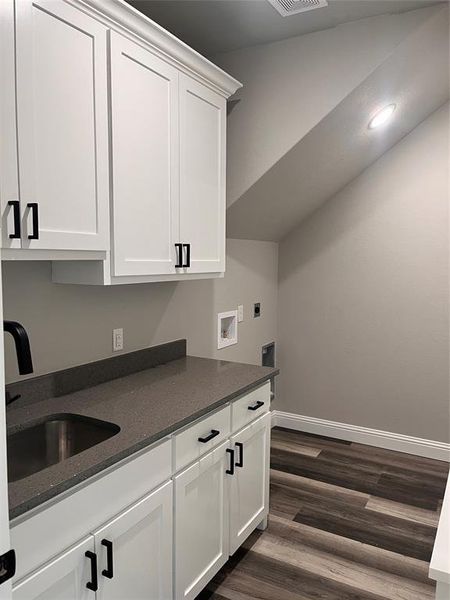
[
  {"x": 249, "y": 487},
  {"x": 201, "y": 523},
  {"x": 64, "y": 578},
  {"x": 62, "y": 125},
  {"x": 202, "y": 175},
  {"x": 141, "y": 548},
  {"x": 144, "y": 96}
]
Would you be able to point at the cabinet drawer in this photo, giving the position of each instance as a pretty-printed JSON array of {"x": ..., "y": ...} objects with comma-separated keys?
[
  {"x": 250, "y": 406},
  {"x": 84, "y": 509},
  {"x": 213, "y": 429}
]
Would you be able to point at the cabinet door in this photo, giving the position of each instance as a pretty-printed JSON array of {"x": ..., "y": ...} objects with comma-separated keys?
[
  {"x": 202, "y": 175},
  {"x": 135, "y": 550},
  {"x": 65, "y": 578},
  {"x": 249, "y": 486},
  {"x": 144, "y": 97},
  {"x": 201, "y": 523},
  {"x": 62, "y": 126}
]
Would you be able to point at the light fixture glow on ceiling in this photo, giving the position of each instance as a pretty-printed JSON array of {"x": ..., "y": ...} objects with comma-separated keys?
[{"x": 382, "y": 116}]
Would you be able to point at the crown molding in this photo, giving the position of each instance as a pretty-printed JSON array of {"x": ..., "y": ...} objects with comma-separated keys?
[{"x": 125, "y": 19}]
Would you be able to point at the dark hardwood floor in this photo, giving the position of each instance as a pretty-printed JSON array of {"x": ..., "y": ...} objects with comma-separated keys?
[{"x": 347, "y": 522}]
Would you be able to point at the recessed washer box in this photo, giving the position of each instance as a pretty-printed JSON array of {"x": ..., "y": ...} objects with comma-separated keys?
[{"x": 227, "y": 329}]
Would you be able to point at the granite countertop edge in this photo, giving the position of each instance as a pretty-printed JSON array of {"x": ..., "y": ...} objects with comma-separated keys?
[{"x": 30, "y": 501}]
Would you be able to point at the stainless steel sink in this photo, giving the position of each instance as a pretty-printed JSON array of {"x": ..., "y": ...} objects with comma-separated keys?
[{"x": 52, "y": 440}]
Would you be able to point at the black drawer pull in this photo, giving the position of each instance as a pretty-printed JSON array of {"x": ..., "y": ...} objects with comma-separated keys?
[
  {"x": 188, "y": 255},
  {"x": 109, "y": 571},
  {"x": 93, "y": 584},
  {"x": 240, "y": 461},
  {"x": 16, "y": 212},
  {"x": 35, "y": 216},
  {"x": 230, "y": 471},
  {"x": 179, "y": 251},
  {"x": 213, "y": 434},
  {"x": 256, "y": 406}
]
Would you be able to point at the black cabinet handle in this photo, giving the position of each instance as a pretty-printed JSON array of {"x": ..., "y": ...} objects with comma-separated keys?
[
  {"x": 240, "y": 461},
  {"x": 93, "y": 583},
  {"x": 213, "y": 434},
  {"x": 256, "y": 406},
  {"x": 33, "y": 206},
  {"x": 16, "y": 208},
  {"x": 230, "y": 471},
  {"x": 109, "y": 571},
  {"x": 179, "y": 251},
  {"x": 188, "y": 255}
]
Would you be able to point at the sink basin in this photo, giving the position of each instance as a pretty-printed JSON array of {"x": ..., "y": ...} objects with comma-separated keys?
[{"x": 52, "y": 440}]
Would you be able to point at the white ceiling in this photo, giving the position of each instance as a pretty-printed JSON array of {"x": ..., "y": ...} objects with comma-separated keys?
[
  {"x": 215, "y": 26},
  {"x": 340, "y": 147}
]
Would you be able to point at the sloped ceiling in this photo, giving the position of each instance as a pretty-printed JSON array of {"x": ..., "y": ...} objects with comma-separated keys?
[
  {"x": 213, "y": 26},
  {"x": 415, "y": 76}
]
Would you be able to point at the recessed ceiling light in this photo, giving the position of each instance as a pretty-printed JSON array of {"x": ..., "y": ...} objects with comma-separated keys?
[{"x": 382, "y": 116}]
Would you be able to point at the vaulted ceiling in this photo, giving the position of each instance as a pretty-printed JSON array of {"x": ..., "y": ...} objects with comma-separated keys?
[
  {"x": 215, "y": 26},
  {"x": 415, "y": 77}
]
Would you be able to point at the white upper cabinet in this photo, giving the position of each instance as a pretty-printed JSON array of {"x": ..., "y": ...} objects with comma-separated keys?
[
  {"x": 62, "y": 129},
  {"x": 112, "y": 145},
  {"x": 144, "y": 120},
  {"x": 202, "y": 176}
]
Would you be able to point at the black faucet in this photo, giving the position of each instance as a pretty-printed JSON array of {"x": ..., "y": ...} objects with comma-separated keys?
[{"x": 22, "y": 343}]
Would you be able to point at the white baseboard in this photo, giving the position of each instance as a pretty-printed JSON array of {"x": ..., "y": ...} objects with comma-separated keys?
[{"x": 363, "y": 435}]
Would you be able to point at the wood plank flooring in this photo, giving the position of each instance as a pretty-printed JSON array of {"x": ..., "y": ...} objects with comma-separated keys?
[{"x": 347, "y": 522}]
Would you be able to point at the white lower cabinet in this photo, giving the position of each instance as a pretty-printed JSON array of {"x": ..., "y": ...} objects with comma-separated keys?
[
  {"x": 64, "y": 578},
  {"x": 128, "y": 558},
  {"x": 134, "y": 551},
  {"x": 114, "y": 539},
  {"x": 249, "y": 486},
  {"x": 201, "y": 522}
]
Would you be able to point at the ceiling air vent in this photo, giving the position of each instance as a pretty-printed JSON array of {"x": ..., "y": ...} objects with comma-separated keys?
[{"x": 292, "y": 7}]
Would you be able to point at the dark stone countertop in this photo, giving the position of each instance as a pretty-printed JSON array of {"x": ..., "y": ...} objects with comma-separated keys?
[{"x": 147, "y": 406}]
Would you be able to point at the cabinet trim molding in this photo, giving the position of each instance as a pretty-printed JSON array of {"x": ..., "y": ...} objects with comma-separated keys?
[{"x": 127, "y": 19}]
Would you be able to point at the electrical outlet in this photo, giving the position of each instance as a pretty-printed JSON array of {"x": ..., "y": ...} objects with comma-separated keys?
[
  {"x": 240, "y": 313},
  {"x": 117, "y": 339}
]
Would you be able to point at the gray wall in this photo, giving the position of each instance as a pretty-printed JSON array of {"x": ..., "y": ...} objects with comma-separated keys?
[
  {"x": 363, "y": 296},
  {"x": 70, "y": 325}
]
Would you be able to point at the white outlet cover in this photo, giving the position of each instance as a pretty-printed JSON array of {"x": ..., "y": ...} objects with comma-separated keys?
[
  {"x": 240, "y": 313},
  {"x": 117, "y": 339}
]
